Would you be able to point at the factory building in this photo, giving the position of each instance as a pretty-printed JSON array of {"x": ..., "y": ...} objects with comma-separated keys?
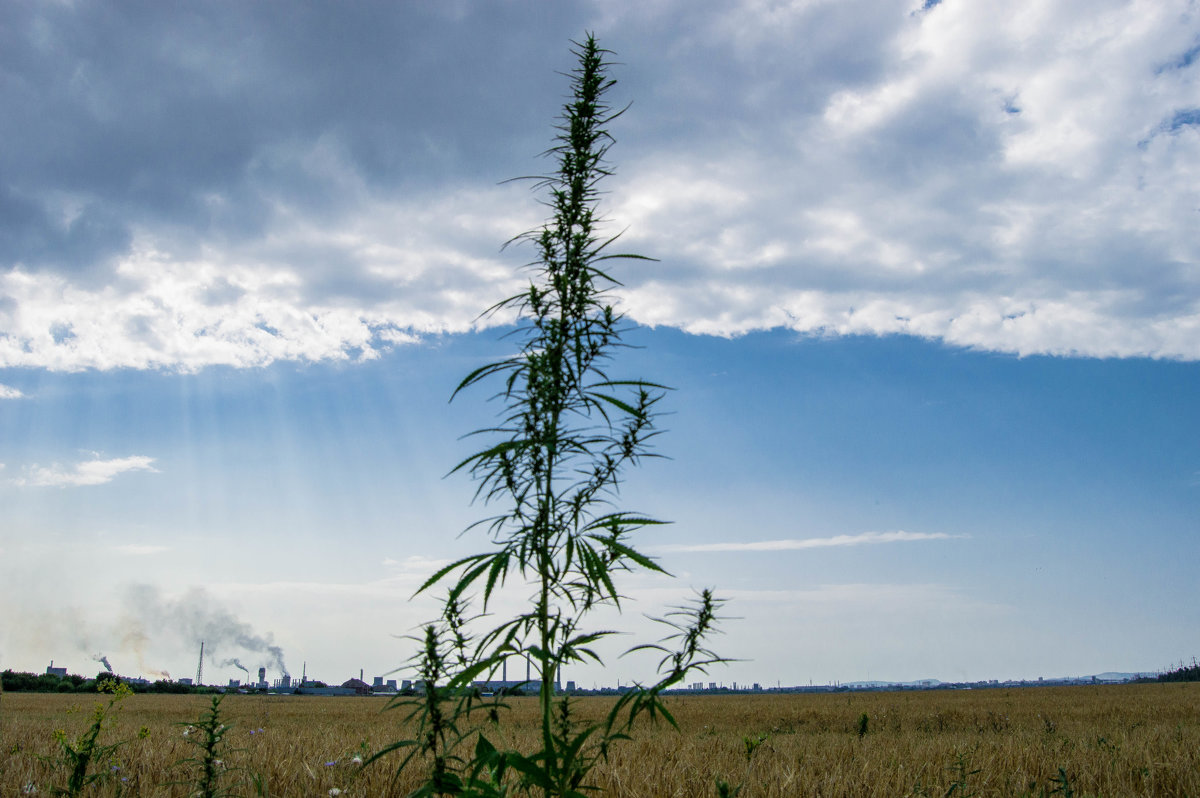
[
  {"x": 529, "y": 687},
  {"x": 378, "y": 685}
]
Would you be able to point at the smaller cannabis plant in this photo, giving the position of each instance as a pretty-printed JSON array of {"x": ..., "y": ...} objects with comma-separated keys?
[
  {"x": 209, "y": 772},
  {"x": 86, "y": 761}
]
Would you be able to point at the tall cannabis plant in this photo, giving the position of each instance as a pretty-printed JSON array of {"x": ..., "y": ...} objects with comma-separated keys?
[{"x": 551, "y": 467}]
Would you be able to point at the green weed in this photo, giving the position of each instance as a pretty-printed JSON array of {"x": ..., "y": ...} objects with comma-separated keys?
[
  {"x": 552, "y": 466},
  {"x": 210, "y": 770},
  {"x": 85, "y": 760}
]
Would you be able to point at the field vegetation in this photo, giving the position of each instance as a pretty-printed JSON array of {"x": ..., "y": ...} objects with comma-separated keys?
[
  {"x": 550, "y": 474},
  {"x": 1125, "y": 740}
]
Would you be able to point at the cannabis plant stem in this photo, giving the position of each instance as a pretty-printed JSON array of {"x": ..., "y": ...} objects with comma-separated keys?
[{"x": 553, "y": 464}]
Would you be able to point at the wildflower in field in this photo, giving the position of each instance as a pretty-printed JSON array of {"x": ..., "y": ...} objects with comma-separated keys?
[
  {"x": 334, "y": 792},
  {"x": 357, "y": 760},
  {"x": 331, "y": 764}
]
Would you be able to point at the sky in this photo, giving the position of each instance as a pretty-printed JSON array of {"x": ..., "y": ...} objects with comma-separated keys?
[{"x": 926, "y": 290}]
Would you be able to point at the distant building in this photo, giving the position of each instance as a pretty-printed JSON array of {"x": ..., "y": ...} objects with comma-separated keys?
[
  {"x": 358, "y": 686},
  {"x": 53, "y": 671},
  {"x": 327, "y": 690},
  {"x": 528, "y": 687}
]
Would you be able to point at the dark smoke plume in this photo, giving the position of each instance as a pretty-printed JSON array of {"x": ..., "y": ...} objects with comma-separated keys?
[
  {"x": 103, "y": 660},
  {"x": 195, "y": 617},
  {"x": 235, "y": 662}
]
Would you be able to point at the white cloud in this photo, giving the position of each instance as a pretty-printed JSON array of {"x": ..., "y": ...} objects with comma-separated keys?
[
  {"x": 252, "y": 306},
  {"x": 88, "y": 472},
  {"x": 7, "y": 392},
  {"x": 141, "y": 550},
  {"x": 416, "y": 564},
  {"x": 863, "y": 539},
  {"x": 896, "y": 597},
  {"x": 1004, "y": 182}
]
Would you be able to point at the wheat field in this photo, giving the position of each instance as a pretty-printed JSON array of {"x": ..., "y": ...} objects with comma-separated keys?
[{"x": 1123, "y": 740}]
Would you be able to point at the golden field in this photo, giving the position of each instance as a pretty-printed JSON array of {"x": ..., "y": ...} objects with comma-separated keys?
[{"x": 1127, "y": 740}]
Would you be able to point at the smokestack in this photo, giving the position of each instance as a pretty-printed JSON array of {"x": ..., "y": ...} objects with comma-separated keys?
[
  {"x": 504, "y": 671},
  {"x": 527, "y": 665}
]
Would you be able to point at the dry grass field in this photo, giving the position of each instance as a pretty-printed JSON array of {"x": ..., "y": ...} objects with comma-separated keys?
[{"x": 1134, "y": 740}]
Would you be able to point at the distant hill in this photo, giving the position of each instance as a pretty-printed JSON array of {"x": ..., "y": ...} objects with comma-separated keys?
[
  {"x": 1114, "y": 676},
  {"x": 1107, "y": 676},
  {"x": 916, "y": 683}
]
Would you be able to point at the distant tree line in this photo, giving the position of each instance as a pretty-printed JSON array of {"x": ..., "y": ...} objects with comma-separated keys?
[
  {"x": 1184, "y": 673},
  {"x": 20, "y": 682}
]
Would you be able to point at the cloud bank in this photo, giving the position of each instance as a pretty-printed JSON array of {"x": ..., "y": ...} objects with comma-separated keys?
[{"x": 184, "y": 190}]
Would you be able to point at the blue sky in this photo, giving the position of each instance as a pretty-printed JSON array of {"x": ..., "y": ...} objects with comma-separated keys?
[{"x": 927, "y": 290}]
